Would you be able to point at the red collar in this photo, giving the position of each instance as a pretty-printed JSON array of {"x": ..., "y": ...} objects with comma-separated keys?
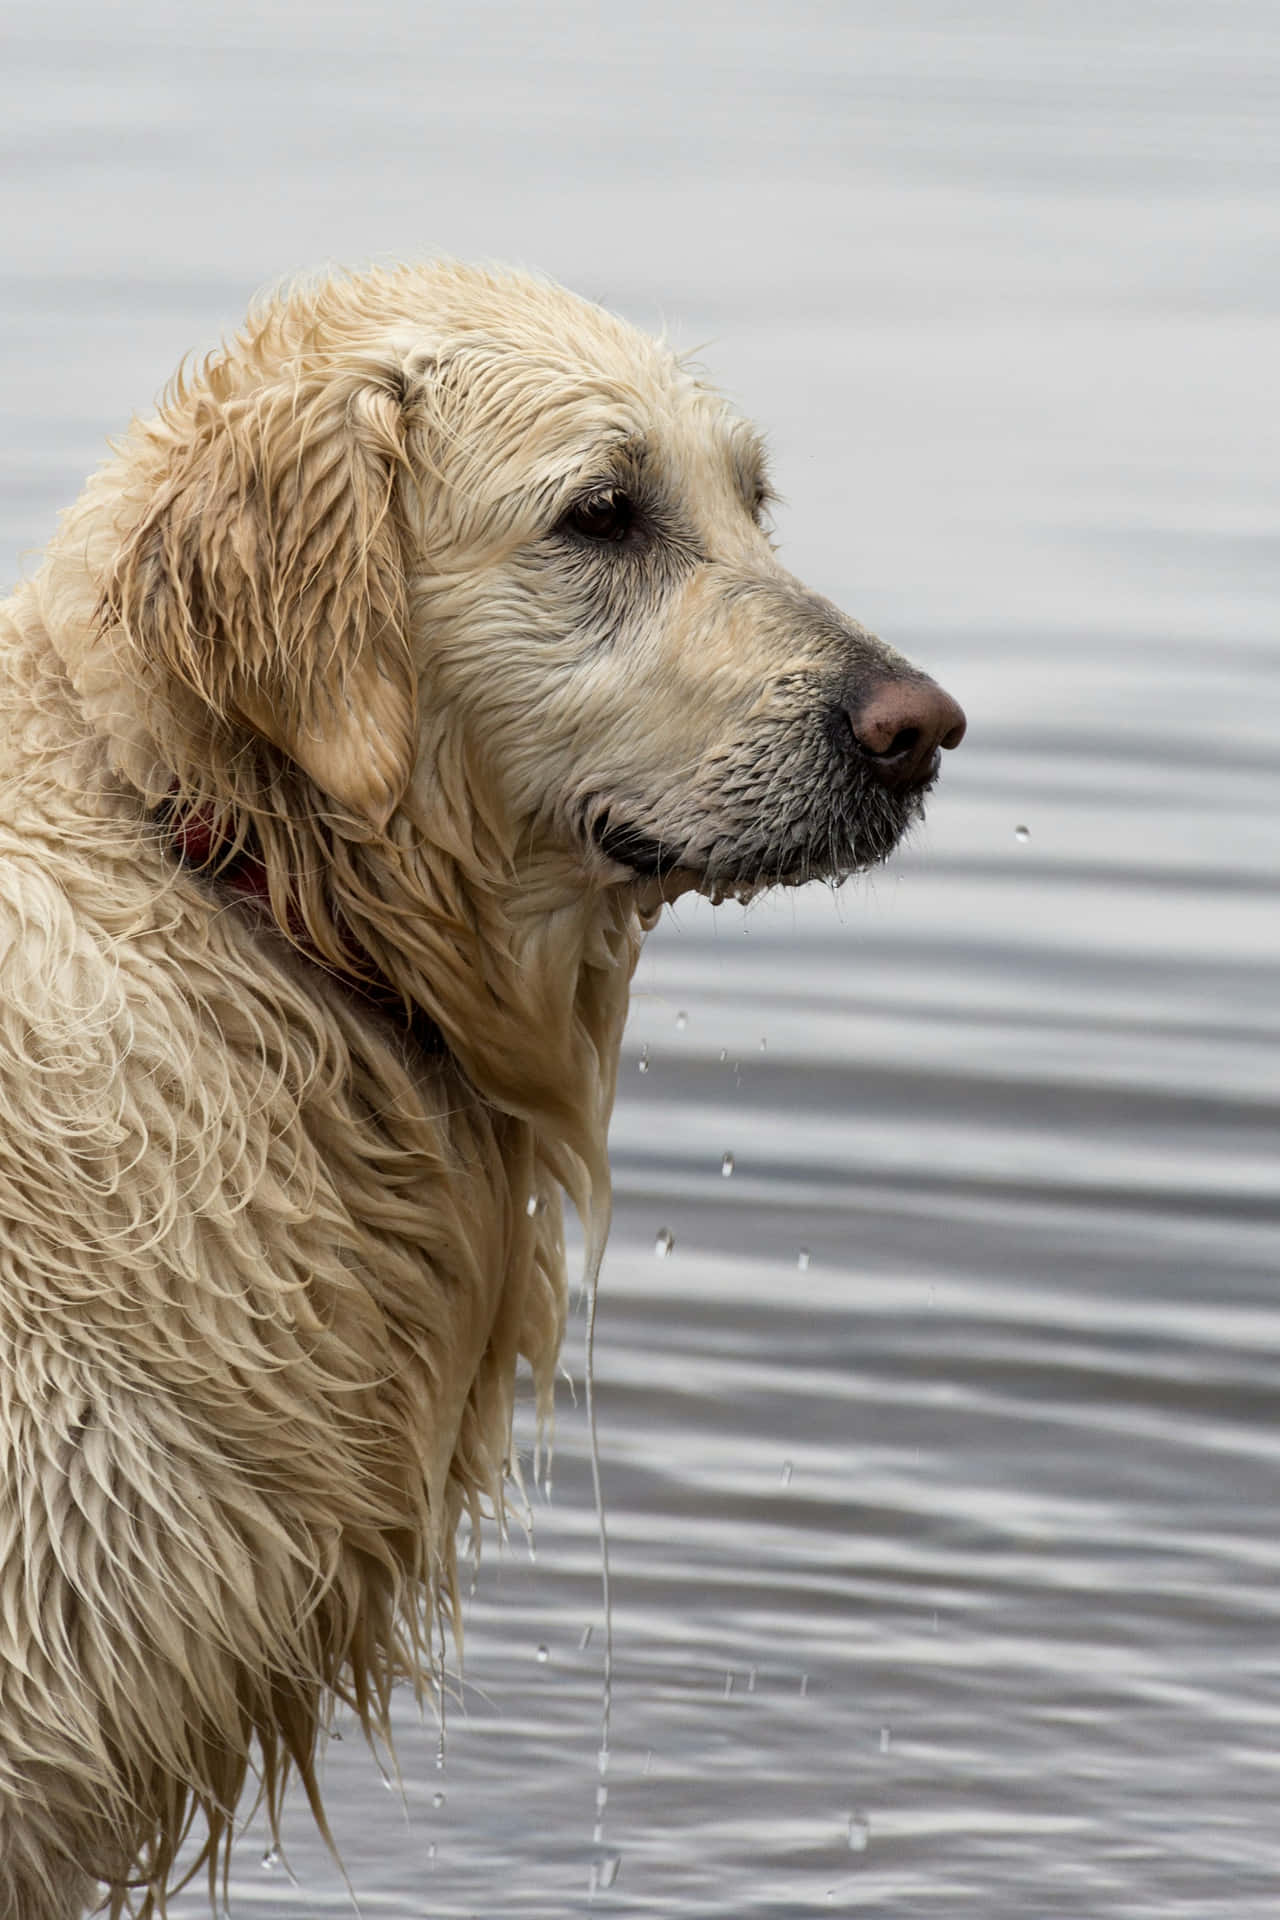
[
  {"x": 193, "y": 839},
  {"x": 192, "y": 836}
]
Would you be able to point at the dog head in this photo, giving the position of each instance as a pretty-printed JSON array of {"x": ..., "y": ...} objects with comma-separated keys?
[
  {"x": 442, "y": 527},
  {"x": 601, "y": 605}
]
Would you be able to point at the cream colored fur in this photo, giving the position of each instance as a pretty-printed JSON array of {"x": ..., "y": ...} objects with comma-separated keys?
[{"x": 267, "y": 1262}]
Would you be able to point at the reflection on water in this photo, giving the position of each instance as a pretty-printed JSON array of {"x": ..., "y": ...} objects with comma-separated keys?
[{"x": 939, "y": 1331}]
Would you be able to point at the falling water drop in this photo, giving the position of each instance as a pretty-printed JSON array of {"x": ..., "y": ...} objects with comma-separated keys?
[
  {"x": 682, "y": 1021},
  {"x": 1022, "y": 834},
  {"x": 643, "y": 1062},
  {"x": 787, "y": 1471},
  {"x": 802, "y": 1259},
  {"x": 859, "y": 1832},
  {"x": 664, "y": 1243},
  {"x": 437, "y": 1799},
  {"x": 605, "y": 1869},
  {"x": 542, "y": 1655},
  {"x": 726, "y": 1165},
  {"x": 531, "y": 1205},
  {"x": 584, "y": 1639},
  {"x": 271, "y": 1858}
]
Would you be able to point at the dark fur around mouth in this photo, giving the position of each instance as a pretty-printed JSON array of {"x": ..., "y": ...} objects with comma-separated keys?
[{"x": 827, "y": 832}]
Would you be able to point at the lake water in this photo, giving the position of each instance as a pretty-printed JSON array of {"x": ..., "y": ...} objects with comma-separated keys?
[{"x": 941, "y": 1448}]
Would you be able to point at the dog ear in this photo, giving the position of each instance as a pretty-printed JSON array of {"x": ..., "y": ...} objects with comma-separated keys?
[{"x": 267, "y": 579}]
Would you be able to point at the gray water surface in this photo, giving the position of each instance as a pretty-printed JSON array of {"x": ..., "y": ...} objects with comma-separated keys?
[{"x": 941, "y": 1448}]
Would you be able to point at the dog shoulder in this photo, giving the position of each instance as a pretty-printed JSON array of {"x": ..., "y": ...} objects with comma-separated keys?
[{"x": 65, "y": 1024}]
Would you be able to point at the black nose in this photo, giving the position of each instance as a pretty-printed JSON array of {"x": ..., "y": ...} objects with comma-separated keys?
[{"x": 898, "y": 727}]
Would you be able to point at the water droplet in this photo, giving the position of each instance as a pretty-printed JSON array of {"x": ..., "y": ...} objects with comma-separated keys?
[
  {"x": 1022, "y": 833},
  {"x": 859, "y": 1832},
  {"x": 531, "y": 1205},
  {"x": 682, "y": 1021},
  {"x": 764, "y": 1044},
  {"x": 804, "y": 1686},
  {"x": 437, "y": 1799},
  {"x": 605, "y": 1869},
  {"x": 648, "y": 1760},
  {"x": 643, "y": 1062},
  {"x": 885, "y": 1739},
  {"x": 584, "y": 1639},
  {"x": 335, "y": 1733},
  {"x": 726, "y": 1165},
  {"x": 802, "y": 1259},
  {"x": 602, "y": 1798},
  {"x": 602, "y": 1762},
  {"x": 431, "y": 1854},
  {"x": 728, "y": 1684},
  {"x": 542, "y": 1656},
  {"x": 751, "y": 1679},
  {"x": 664, "y": 1243},
  {"x": 933, "y": 1624},
  {"x": 724, "y": 1055},
  {"x": 271, "y": 1858},
  {"x": 787, "y": 1471}
]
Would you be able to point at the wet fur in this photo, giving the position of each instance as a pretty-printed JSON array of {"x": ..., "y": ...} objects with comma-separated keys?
[{"x": 268, "y": 1260}]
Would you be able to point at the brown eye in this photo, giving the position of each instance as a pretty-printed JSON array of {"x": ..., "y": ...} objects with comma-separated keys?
[{"x": 607, "y": 515}]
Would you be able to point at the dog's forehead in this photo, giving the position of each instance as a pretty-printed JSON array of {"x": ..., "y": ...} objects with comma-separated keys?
[
  {"x": 513, "y": 418},
  {"x": 533, "y": 358}
]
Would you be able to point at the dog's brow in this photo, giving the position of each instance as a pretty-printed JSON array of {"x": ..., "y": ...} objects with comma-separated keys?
[
  {"x": 607, "y": 459},
  {"x": 621, "y": 454}
]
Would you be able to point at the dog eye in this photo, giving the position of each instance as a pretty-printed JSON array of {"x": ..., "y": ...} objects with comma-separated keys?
[{"x": 609, "y": 514}]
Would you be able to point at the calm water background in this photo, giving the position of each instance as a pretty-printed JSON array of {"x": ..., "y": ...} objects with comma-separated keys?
[{"x": 945, "y": 1550}]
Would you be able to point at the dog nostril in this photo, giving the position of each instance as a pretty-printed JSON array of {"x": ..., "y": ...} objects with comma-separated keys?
[
  {"x": 902, "y": 742},
  {"x": 899, "y": 725}
]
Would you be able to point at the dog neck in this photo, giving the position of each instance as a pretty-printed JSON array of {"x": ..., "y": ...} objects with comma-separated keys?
[{"x": 233, "y": 869}]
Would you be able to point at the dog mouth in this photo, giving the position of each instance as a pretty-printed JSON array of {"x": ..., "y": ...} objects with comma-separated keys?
[
  {"x": 828, "y": 840},
  {"x": 630, "y": 846}
]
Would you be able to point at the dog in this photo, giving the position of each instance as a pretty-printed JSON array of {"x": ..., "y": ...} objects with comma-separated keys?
[{"x": 359, "y": 721}]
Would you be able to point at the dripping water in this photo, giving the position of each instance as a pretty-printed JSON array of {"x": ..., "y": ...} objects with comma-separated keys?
[{"x": 599, "y": 1235}]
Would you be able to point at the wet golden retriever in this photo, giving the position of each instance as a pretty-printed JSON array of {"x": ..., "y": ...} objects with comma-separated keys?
[{"x": 358, "y": 721}]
